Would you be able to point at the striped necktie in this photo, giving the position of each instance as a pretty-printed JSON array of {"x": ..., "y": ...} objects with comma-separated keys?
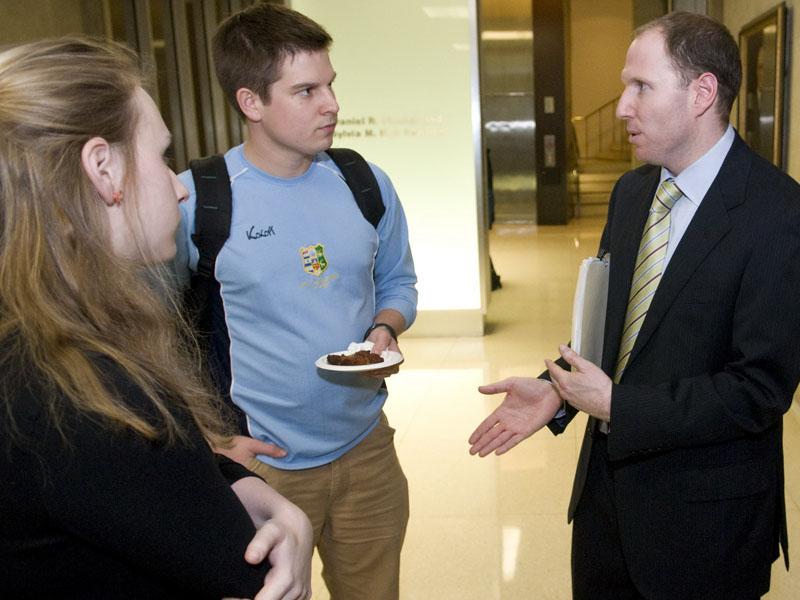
[{"x": 649, "y": 268}]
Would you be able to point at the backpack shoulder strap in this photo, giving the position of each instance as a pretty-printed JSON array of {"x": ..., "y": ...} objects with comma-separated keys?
[
  {"x": 361, "y": 180},
  {"x": 212, "y": 217},
  {"x": 201, "y": 300}
]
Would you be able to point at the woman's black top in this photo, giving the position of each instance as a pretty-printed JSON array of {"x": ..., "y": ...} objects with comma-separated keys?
[{"x": 109, "y": 514}]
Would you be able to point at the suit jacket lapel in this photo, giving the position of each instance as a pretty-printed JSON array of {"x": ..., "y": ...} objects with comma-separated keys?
[{"x": 708, "y": 226}]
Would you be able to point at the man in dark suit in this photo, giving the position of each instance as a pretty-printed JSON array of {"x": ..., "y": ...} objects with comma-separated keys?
[{"x": 679, "y": 487}]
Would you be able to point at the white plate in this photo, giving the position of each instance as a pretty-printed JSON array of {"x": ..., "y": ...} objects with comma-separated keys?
[{"x": 390, "y": 358}]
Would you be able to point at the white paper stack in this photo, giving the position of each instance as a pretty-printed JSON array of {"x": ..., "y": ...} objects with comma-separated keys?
[{"x": 589, "y": 309}]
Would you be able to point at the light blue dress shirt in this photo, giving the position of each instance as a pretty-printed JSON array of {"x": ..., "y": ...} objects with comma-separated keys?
[{"x": 694, "y": 182}]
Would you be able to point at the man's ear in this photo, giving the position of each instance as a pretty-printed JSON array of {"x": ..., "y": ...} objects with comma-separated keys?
[
  {"x": 705, "y": 89},
  {"x": 103, "y": 166},
  {"x": 249, "y": 103}
]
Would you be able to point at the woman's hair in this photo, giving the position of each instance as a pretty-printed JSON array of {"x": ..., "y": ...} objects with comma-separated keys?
[{"x": 67, "y": 302}]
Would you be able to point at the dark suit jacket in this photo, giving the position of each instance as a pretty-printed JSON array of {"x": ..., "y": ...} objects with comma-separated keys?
[{"x": 695, "y": 437}]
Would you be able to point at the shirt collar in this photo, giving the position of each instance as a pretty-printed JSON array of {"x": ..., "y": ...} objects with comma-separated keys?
[{"x": 695, "y": 179}]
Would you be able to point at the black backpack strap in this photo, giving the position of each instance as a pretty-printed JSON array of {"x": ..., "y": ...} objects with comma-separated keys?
[
  {"x": 212, "y": 217},
  {"x": 202, "y": 300},
  {"x": 362, "y": 183}
]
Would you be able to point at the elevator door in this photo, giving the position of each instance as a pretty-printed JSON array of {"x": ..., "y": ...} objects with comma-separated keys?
[{"x": 508, "y": 107}]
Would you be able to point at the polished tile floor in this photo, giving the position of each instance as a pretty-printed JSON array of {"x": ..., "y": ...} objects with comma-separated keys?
[{"x": 495, "y": 528}]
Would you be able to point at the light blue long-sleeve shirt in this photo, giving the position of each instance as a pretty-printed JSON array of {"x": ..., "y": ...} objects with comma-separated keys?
[{"x": 302, "y": 275}]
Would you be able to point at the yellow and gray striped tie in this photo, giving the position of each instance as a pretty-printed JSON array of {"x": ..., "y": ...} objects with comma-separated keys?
[{"x": 648, "y": 270}]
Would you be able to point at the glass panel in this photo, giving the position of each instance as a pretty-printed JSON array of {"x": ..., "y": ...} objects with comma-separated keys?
[
  {"x": 118, "y": 12},
  {"x": 165, "y": 90},
  {"x": 199, "y": 66},
  {"x": 759, "y": 86}
]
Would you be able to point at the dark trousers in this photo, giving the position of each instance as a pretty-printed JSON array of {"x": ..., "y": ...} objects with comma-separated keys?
[{"x": 598, "y": 565}]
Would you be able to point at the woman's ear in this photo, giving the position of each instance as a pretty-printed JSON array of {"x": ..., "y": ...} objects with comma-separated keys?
[{"x": 103, "y": 166}]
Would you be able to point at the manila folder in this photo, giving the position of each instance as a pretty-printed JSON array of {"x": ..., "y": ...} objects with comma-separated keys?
[{"x": 589, "y": 309}]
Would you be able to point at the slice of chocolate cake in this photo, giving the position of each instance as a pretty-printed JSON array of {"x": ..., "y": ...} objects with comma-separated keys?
[{"x": 362, "y": 357}]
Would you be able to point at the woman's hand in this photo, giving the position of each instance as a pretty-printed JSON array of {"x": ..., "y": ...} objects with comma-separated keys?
[{"x": 284, "y": 537}]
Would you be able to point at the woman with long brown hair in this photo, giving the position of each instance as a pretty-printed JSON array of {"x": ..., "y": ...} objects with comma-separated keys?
[{"x": 110, "y": 488}]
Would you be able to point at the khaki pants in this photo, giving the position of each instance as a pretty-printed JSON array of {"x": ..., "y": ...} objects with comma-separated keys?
[{"x": 358, "y": 506}]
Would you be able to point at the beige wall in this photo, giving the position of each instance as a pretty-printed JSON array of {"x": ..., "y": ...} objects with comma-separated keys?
[
  {"x": 600, "y": 35},
  {"x": 736, "y": 14}
]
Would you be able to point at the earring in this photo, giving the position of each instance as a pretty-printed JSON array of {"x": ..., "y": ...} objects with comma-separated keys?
[{"x": 116, "y": 197}]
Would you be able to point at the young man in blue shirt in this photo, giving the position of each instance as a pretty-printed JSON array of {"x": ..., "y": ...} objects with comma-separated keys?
[{"x": 314, "y": 279}]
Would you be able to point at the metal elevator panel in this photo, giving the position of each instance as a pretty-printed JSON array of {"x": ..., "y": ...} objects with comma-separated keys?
[{"x": 508, "y": 107}]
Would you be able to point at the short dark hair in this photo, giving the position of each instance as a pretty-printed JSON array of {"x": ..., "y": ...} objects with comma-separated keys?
[
  {"x": 698, "y": 44},
  {"x": 249, "y": 47}
]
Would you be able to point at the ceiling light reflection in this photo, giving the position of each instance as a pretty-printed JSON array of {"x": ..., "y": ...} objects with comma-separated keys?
[
  {"x": 511, "y": 538},
  {"x": 446, "y": 12},
  {"x": 506, "y": 35}
]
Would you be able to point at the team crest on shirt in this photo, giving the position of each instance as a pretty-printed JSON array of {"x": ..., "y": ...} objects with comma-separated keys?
[{"x": 314, "y": 261}]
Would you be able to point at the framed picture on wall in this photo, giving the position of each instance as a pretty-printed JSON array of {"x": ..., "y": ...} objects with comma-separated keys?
[{"x": 760, "y": 118}]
